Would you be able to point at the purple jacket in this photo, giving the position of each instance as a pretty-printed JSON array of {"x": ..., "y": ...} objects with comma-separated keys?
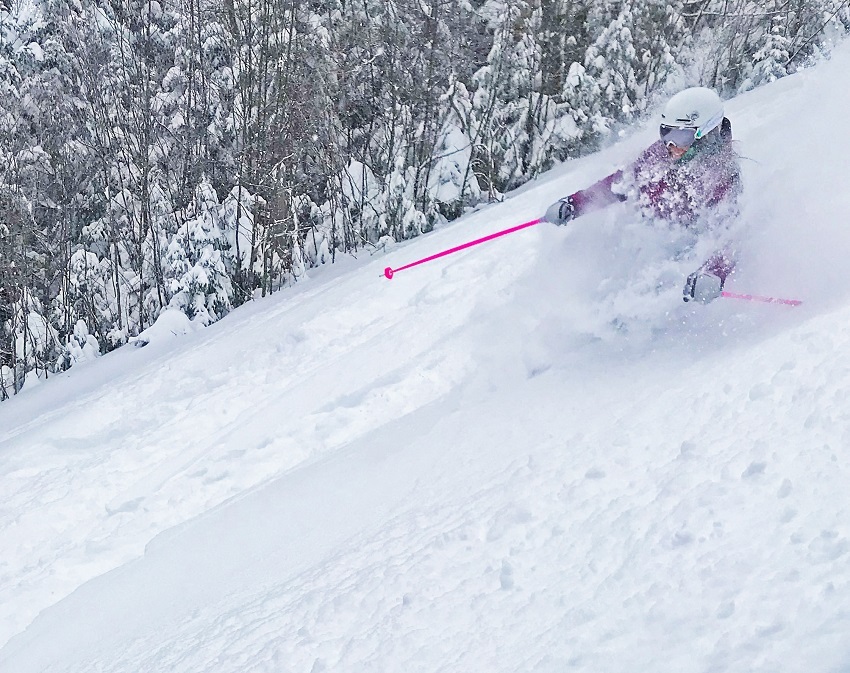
[{"x": 695, "y": 189}]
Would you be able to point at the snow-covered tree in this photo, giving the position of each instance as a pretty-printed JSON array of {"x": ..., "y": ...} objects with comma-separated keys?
[
  {"x": 198, "y": 263},
  {"x": 506, "y": 96},
  {"x": 37, "y": 350},
  {"x": 80, "y": 346},
  {"x": 770, "y": 62},
  {"x": 401, "y": 218},
  {"x": 237, "y": 224},
  {"x": 660, "y": 34},
  {"x": 612, "y": 61},
  {"x": 585, "y": 123},
  {"x": 89, "y": 294},
  {"x": 452, "y": 184}
]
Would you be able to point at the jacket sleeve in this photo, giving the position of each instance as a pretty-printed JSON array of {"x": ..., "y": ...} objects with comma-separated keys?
[
  {"x": 728, "y": 187},
  {"x": 727, "y": 190},
  {"x": 721, "y": 264},
  {"x": 598, "y": 195}
]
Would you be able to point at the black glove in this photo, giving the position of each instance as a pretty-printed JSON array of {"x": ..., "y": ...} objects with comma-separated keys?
[
  {"x": 561, "y": 211},
  {"x": 702, "y": 286}
]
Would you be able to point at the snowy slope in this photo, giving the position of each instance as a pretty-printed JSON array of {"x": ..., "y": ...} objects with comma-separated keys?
[{"x": 528, "y": 456}]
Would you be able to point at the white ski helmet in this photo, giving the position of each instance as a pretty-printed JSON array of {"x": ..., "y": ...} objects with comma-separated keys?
[{"x": 690, "y": 115}]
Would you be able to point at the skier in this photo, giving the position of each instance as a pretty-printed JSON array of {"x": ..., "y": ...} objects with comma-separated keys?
[{"x": 688, "y": 176}]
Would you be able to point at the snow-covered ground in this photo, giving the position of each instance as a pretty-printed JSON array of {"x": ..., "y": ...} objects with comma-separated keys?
[{"x": 529, "y": 456}]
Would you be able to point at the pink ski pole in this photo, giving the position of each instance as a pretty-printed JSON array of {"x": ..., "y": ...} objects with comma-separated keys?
[
  {"x": 766, "y": 300},
  {"x": 389, "y": 272}
]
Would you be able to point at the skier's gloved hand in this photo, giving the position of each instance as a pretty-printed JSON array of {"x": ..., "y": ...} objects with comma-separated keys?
[
  {"x": 561, "y": 211},
  {"x": 702, "y": 286}
]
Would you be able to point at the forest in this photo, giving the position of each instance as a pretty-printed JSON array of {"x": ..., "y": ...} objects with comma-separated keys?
[{"x": 193, "y": 154}]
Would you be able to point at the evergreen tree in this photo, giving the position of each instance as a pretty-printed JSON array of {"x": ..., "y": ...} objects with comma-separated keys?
[
  {"x": 36, "y": 346},
  {"x": 89, "y": 294},
  {"x": 504, "y": 97},
  {"x": 80, "y": 346},
  {"x": 402, "y": 219},
  {"x": 586, "y": 124},
  {"x": 771, "y": 60},
  {"x": 612, "y": 60},
  {"x": 198, "y": 261},
  {"x": 660, "y": 32}
]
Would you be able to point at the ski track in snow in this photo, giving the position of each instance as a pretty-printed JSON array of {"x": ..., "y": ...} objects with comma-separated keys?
[{"x": 504, "y": 460}]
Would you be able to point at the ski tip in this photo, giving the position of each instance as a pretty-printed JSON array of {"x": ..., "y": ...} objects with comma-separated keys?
[{"x": 388, "y": 272}]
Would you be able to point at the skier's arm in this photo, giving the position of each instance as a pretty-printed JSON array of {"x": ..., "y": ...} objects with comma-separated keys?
[
  {"x": 598, "y": 195},
  {"x": 727, "y": 190},
  {"x": 584, "y": 201}
]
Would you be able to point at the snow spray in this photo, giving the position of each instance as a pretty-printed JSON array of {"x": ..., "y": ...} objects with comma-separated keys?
[
  {"x": 390, "y": 272},
  {"x": 766, "y": 300}
]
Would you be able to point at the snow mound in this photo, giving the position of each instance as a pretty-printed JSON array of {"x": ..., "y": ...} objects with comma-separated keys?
[{"x": 171, "y": 323}]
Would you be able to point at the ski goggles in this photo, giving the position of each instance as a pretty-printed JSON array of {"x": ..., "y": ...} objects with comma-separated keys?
[{"x": 680, "y": 137}]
